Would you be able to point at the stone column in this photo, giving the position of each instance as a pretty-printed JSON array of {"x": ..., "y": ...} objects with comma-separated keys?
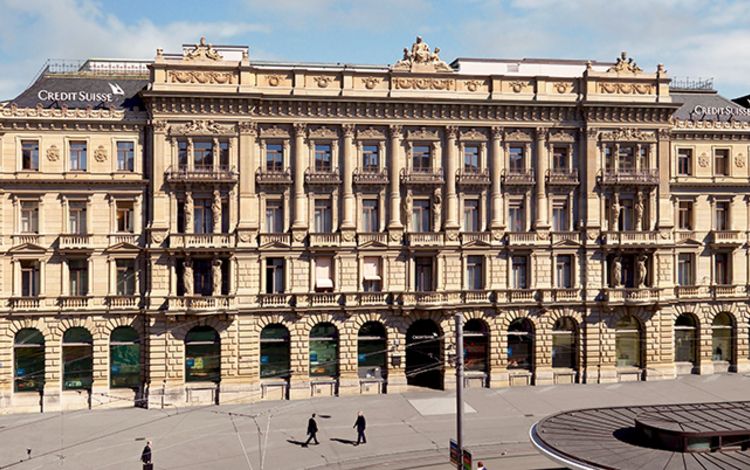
[
  {"x": 541, "y": 175},
  {"x": 247, "y": 164},
  {"x": 451, "y": 216},
  {"x": 216, "y": 277},
  {"x": 659, "y": 155},
  {"x": 216, "y": 154},
  {"x": 497, "y": 164},
  {"x": 589, "y": 167},
  {"x": 216, "y": 211},
  {"x": 159, "y": 200},
  {"x": 395, "y": 167},
  {"x": 348, "y": 168},
  {"x": 189, "y": 209},
  {"x": 300, "y": 164}
]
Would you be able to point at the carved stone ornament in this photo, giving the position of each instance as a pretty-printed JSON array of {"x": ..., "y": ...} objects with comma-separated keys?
[
  {"x": 473, "y": 134},
  {"x": 739, "y": 160},
  {"x": 248, "y": 128},
  {"x": 299, "y": 236},
  {"x": 473, "y": 85},
  {"x": 323, "y": 133},
  {"x": 395, "y": 236},
  {"x": 562, "y": 136},
  {"x": 518, "y": 135},
  {"x": 202, "y": 127},
  {"x": 439, "y": 84},
  {"x": 703, "y": 160},
  {"x": 518, "y": 86},
  {"x": 562, "y": 87},
  {"x": 625, "y": 64},
  {"x": 201, "y": 77},
  {"x": 628, "y": 134},
  {"x": 53, "y": 153},
  {"x": 452, "y": 235},
  {"x": 39, "y": 111},
  {"x": 347, "y": 235},
  {"x": 627, "y": 88},
  {"x": 274, "y": 80},
  {"x": 497, "y": 234},
  {"x": 420, "y": 59},
  {"x": 370, "y": 133},
  {"x": 100, "y": 154},
  {"x": 274, "y": 132},
  {"x": 371, "y": 82},
  {"x": 159, "y": 126},
  {"x": 422, "y": 133},
  {"x": 322, "y": 81},
  {"x": 202, "y": 52}
]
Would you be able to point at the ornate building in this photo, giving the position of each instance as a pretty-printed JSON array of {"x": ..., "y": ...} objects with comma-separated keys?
[{"x": 254, "y": 230}]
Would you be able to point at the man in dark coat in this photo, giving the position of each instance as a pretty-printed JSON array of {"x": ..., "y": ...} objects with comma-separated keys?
[
  {"x": 360, "y": 425},
  {"x": 146, "y": 456},
  {"x": 312, "y": 431}
]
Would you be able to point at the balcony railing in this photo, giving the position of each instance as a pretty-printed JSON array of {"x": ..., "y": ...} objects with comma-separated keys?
[
  {"x": 273, "y": 177},
  {"x": 123, "y": 301},
  {"x": 424, "y": 238},
  {"x": 473, "y": 177},
  {"x": 430, "y": 299},
  {"x": 562, "y": 177},
  {"x": 319, "y": 299},
  {"x": 73, "y": 302},
  {"x": 275, "y": 300},
  {"x": 25, "y": 303},
  {"x": 201, "y": 240},
  {"x": 726, "y": 237},
  {"x": 562, "y": 237},
  {"x": 276, "y": 238},
  {"x": 631, "y": 237},
  {"x": 473, "y": 237},
  {"x": 477, "y": 297},
  {"x": 633, "y": 295},
  {"x": 74, "y": 241},
  {"x": 324, "y": 240},
  {"x": 691, "y": 292},
  {"x": 322, "y": 177},
  {"x": 367, "y": 299},
  {"x": 193, "y": 303},
  {"x": 372, "y": 237},
  {"x": 197, "y": 174},
  {"x": 518, "y": 177},
  {"x": 725, "y": 291},
  {"x": 681, "y": 236},
  {"x": 118, "y": 238},
  {"x": 520, "y": 238},
  {"x": 370, "y": 176},
  {"x": 561, "y": 294},
  {"x": 24, "y": 238},
  {"x": 427, "y": 176},
  {"x": 630, "y": 176}
]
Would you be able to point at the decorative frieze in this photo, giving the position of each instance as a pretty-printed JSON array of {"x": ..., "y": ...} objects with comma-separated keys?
[
  {"x": 202, "y": 127},
  {"x": 425, "y": 83},
  {"x": 628, "y": 135},
  {"x": 207, "y": 77}
]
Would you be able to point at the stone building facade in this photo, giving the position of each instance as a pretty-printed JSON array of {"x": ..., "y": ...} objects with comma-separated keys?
[{"x": 204, "y": 228}]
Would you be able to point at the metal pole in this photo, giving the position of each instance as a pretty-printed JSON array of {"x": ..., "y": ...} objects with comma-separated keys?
[{"x": 460, "y": 387}]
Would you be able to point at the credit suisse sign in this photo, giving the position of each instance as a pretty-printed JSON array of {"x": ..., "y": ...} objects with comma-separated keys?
[
  {"x": 721, "y": 110},
  {"x": 81, "y": 95}
]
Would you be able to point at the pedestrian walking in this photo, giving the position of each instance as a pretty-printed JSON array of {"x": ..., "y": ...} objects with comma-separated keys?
[
  {"x": 312, "y": 431},
  {"x": 360, "y": 424},
  {"x": 480, "y": 466},
  {"x": 146, "y": 457}
]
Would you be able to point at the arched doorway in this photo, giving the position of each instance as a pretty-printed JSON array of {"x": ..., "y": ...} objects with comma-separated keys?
[
  {"x": 324, "y": 351},
  {"x": 372, "y": 351},
  {"x": 565, "y": 344},
  {"x": 424, "y": 355},
  {"x": 521, "y": 344},
  {"x": 202, "y": 355},
  {"x": 274, "y": 352},
  {"x": 78, "y": 359},
  {"x": 722, "y": 344},
  {"x": 28, "y": 361},
  {"x": 124, "y": 358},
  {"x": 476, "y": 351},
  {"x": 628, "y": 342},
  {"x": 685, "y": 343}
]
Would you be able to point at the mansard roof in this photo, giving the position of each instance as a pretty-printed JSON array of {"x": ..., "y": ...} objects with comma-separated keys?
[{"x": 707, "y": 105}]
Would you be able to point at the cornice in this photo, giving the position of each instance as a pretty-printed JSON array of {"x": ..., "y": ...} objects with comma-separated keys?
[{"x": 76, "y": 182}]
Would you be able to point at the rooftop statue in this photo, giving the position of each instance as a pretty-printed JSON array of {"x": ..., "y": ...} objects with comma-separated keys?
[
  {"x": 420, "y": 59},
  {"x": 203, "y": 51},
  {"x": 625, "y": 64}
]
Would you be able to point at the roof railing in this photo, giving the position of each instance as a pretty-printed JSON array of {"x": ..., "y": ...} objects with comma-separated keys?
[{"x": 688, "y": 83}]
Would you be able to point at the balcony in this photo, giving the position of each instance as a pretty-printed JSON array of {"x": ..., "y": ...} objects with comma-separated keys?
[
  {"x": 642, "y": 295},
  {"x": 424, "y": 239},
  {"x": 729, "y": 238},
  {"x": 275, "y": 300},
  {"x": 27, "y": 238},
  {"x": 75, "y": 242},
  {"x": 123, "y": 302},
  {"x": 201, "y": 240},
  {"x": 372, "y": 237},
  {"x": 25, "y": 303},
  {"x": 476, "y": 237},
  {"x": 198, "y": 303},
  {"x": 273, "y": 177},
  {"x": 430, "y": 299},
  {"x": 71, "y": 302},
  {"x": 727, "y": 291},
  {"x": 681, "y": 236},
  {"x": 201, "y": 174},
  {"x": 373, "y": 299},
  {"x": 322, "y": 177},
  {"x": 518, "y": 177},
  {"x": 562, "y": 177},
  {"x": 422, "y": 176},
  {"x": 127, "y": 238},
  {"x": 630, "y": 176},
  {"x": 691, "y": 292},
  {"x": 319, "y": 299},
  {"x": 370, "y": 176},
  {"x": 473, "y": 177},
  {"x": 324, "y": 240},
  {"x": 631, "y": 238},
  {"x": 561, "y": 295},
  {"x": 284, "y": 239},
  {"x": 565, "y": 237},
  {"x": 477, "y": 297},
  {"x": 520, "y": 238},
  {"x": 519, "y": 295}
]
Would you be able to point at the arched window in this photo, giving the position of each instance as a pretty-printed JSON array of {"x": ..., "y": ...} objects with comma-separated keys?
[
  {"x": 425, "y": 358},
  {"x": 628, "y": 342},
  {"x": 28, "y": 360},
  {"x": 476, "y": 351},
  {"x": 520, "y": 344},
  {"x": 564, "y": 346},
  {"x": 324, "y": 350},
  {"x": 124, "y": 358},
  {"x": 78, "y": 359},
  {"x": 372, "y": 350},
  {"x": 274, "y": 352},
  {"x": 685, "y": 339},
  {"x": 202, "y": 355},
  {"x": 722, "y": 330}
]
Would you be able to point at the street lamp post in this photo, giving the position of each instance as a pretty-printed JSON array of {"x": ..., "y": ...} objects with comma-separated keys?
[{"x": 459, "y": 387}]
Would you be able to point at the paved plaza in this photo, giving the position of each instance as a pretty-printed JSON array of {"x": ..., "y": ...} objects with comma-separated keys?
[{"x": 405, "y": 431}]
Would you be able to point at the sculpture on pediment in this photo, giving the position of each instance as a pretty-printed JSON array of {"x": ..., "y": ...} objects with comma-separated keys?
[
  {"x": 437, "y": 202},
  {"x": 617, "y": 273},
  {"x": 216, "y": 211},
  {"x": 625, "y": 64},
  {"x": 641, "y": 271},
  {"x": 638, "y": 211},
  {"x": 203, "y": 51},
  {"x": 216, "y": 277},
  {"x": 189, "y": 212},
  {"x": 187, "y": 277},
  {"x": 419, "y": 58},
  {"x": 406, "y": 208}
]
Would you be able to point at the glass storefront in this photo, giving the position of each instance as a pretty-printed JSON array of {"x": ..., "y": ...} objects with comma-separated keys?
[
  {"x": 372, "y": 351},
  {"x": 202, "y": 355},
  {"x": 520, "y": 344},
  {"x": 628, "y": 342},
  {"x": 28, "y": 361},
  {"x": 78, "y": 361},
  {"x": 475, "y": 346},
  {"x": 274, "y": 352},
  {"x": 324, "y": 350},
  {"x": 124, "y": 358},
  {"x": 722, "y": 330},
  {"x": 564, "y": 343},
  {"x": 685, "y": 339}
]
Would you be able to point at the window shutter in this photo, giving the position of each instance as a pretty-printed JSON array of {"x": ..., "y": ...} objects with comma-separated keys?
[{"x": 323, "y": 278}]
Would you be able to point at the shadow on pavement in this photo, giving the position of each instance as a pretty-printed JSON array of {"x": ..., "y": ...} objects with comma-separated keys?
[
  {"x": 344, "y": 441},
  {"x": 298, "y": 443}
]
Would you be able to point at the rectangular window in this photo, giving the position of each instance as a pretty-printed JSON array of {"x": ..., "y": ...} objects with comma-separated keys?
[
  {"x": 560, "y": 216},
  {"x": 626, "y": 158},
  {"x": 125, "y": 217},
  {"x": 516, "y": 163},
  {"x": 203, "y": 155},
  {"x": 78, "y": 279},
  {"x": 471, "y": 159},
  {"x": 721, "y": 269},
  {"x": 125, "y": 156},
  {"x": 29, "y": 217},
  {"x": 323, "y": 274},
  {"x": 685, "y": 215},
  {"x": 125, "y": 276},
  {"x": 274, "y": 275},
  {"x": 182, "y": 154},
  {"x": 627, "y": 221},
  {"x": 224, "y": 155},
  {"x": 370, "y": 158},
  {"x": 420, "y": 216},
  {"x": 517, "y": 216},
  {"x": 684, "y": 162},
  {"x": 721, "y": 216},
  {"x": 372, "y": 281},
  {"x": 421, "y": 158},
  {"x": 721, "y": 162},
  {"x": 203, "y": 220},
  {"x": 685, "y": 269},
  {"x": 274, "y": 216},
  {"x": 323, "y": 214},
  {"x": 423, "y": 274},
  {"x": 77, "y": 218},
  {"x": 519, "y": 271},
  {"x": 564, "y": 271},
  {"x": 77, "y": 156},
  {"x": 471, "y": 215},
  {"x": 29, "y": 278},
  {"x": 644, "y": 157},
  {"x": 560, "y": 159},
  {"x": 475, "y": 272},
  {"x": 274, "y": 157},
  {"x": 370, "y": 216},
  {"x": 30, "y": 155},
  {"x": 323, "y": 158},
  {"x": 202, "y": 278}
]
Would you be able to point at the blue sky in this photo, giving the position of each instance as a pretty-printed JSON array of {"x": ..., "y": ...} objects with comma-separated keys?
[{"x": 695, "y": 38}]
